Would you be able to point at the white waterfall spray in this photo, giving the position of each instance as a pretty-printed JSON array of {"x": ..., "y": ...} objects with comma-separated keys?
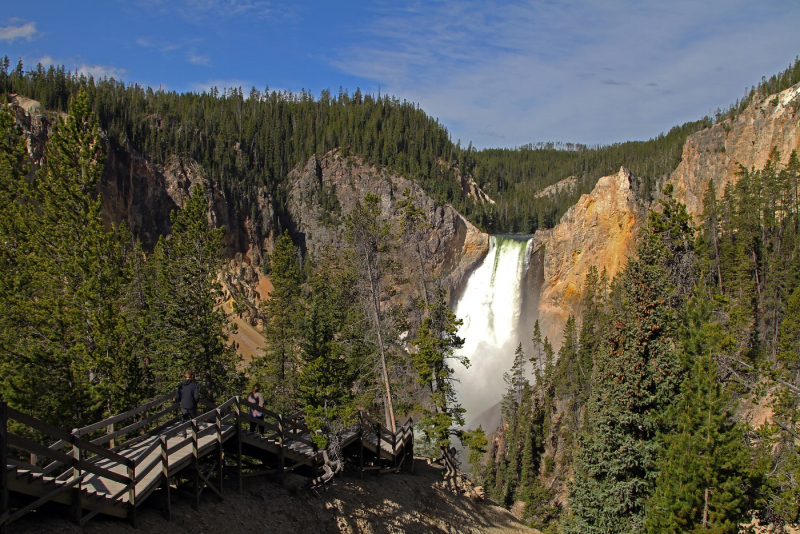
[{"x": 490, "y": 307}]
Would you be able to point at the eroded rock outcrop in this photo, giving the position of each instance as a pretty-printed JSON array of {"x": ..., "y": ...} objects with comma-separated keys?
[
  {"x": 450, "y": 247},
  {"x": 597, "y": 231},
  {"x": 747, "y": 140},
  {"x": 567, "y": 185},
  {"x": 600, "y": 229}
]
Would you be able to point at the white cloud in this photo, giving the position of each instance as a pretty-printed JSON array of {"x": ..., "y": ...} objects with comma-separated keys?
[
  {"x": 48, "y": 61},
  {"x": 101, "y": 71},
  {"x": 579, "y": 70},
  {"x": 198, "y": 59},
  {"x": 163, "y": 46},
  {"x": 197, "y": 11},
  {"x": 25, "y": 31},
  {"x": 170, "y": 49}
]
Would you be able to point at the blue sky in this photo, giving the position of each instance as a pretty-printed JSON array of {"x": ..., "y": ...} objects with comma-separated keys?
[{"x": 497, "y": 73}]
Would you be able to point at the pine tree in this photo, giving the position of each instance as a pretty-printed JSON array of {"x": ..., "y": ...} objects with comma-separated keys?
[
  {"x": 14, "y": 244},
  {"x": 490, "y": 472},
  {"x": 192, "y": 327},
  {"x": 789, "y": 347},
  {"x": 517, "y": 384},
  {"x": 528, "y": 467},
  {"x": 636, "y": 377},
  {"x": 537, "y": 357},
  {"x": 706, "y": 463},
  {"x": 709, "y": 240},
  {"x": 475, "y": 441},
  {"x": 412, "y": 224},
  {"x": 67, "y": 366},
  {"x": 571, "y": 376},
  {"x": 591, "y": 330},
  {"x": 278, "y": 369},
  {"x": 549, "y": 359},
  {"x": 332, "y": 352},
  {"x": 370, "y": 238},
  {"x": 140, "y": 336},
  {"x": 435, "y": 344}
]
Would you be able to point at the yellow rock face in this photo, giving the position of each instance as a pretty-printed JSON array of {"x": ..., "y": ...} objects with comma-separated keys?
[
  {"x": 599, "y": 230},
  {"x": 747, "y": 140}
]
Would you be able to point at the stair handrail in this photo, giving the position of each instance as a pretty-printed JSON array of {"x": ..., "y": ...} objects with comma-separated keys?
[
  {"x": 289, "y": 428},
  {"x": 59, "y": 434},
  {"x": 112, "y": 435},
  {"x": 80, "y": 464}
]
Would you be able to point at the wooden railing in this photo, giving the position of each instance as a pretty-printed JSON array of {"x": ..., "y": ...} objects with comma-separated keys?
[
  {"x": 90, "y": 445},
  {"x": 165, "y": 411},
  {"x": 395, "y": 441},
  {"x": 77, "y": 459}
]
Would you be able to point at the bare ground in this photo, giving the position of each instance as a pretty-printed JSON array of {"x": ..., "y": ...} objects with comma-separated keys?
[{"x": 421, "y": 502}]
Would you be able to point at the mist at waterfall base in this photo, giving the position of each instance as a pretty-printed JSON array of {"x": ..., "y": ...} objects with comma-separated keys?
[{"x": 490, "y": 306}]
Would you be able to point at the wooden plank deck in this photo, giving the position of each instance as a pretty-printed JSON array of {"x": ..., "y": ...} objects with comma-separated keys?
[
  {"x": 112, "y": 475},
  {"x": 177, "y": 460}
]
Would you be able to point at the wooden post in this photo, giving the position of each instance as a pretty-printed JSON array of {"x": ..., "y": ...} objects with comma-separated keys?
[
  {"x": 315, "y": 451},
  {"x": 377, "y": 427},
  {"x": 412, "y": 447},
  {"x": 165, "y": 474},
  {"x": 394, "y": 452},
  {"x": 132, "y": 496},
  {"x": 238, "y": 443},
  {"x": 111, "y": 431},
  {"x": 220, "y": 455},
  {"x": 282, "y": 453},
  {"x": 195, "y": 465},
  {"x": 361, "y": 442},
  {"x": 4, "y": 511},
  {"x": 76, "y": 474}
]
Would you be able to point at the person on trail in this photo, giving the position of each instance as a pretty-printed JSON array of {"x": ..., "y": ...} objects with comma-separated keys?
[
  {"x": 255, "y": 397},
  {"x": 188, "y": 397}
]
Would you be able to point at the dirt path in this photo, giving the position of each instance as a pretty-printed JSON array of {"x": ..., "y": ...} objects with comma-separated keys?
[{"x": 416, "y": 503}]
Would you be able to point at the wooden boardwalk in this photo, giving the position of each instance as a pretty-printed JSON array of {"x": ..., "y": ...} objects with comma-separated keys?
[{"x": 111, "y": 467}]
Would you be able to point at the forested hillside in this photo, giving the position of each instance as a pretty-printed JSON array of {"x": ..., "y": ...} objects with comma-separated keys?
[
  {"x": 643, "y": 421},
  {"x": 91, "y": 324},
  {"x": 673, "y": 403},
  {"x": 249, "y": 141}
]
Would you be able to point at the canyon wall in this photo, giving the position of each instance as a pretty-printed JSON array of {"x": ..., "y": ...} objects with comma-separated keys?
[
  {"x": 450, "y": 245},
  {"x": 600, "y": 229},
  {"x": 143, "y": 194},
  {"x": 717, "y": 152}
]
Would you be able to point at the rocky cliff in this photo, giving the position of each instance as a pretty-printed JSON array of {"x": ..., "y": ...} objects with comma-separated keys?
[
  {"x": 717, "y": 152},
  {"x": 450, "y": 246},
  {"x": 600, "y": 229},
  {"x": 322, "y": 192},
  {"x": 597, "y": 231}
]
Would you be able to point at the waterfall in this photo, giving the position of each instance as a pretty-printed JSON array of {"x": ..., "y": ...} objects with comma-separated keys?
[{"x": 490, "y": 306}]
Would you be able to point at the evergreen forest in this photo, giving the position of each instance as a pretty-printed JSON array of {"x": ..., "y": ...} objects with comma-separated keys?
[
  {"x": 93, "y": 325},
  {"x": 636, "y": 424},
  {"x": 249, "y": 142},
  {"x": 644, "y": 420}
]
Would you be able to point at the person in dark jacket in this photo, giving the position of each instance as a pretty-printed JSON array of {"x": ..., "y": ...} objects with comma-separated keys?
[
  {"x": 255, "y": 397},
  {"x": 188, "y": 396}
]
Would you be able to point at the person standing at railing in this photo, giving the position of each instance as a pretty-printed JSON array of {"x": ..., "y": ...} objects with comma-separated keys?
[
  {"x": 188, "y": 396},
  {"x": 255, "y": 397}
]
